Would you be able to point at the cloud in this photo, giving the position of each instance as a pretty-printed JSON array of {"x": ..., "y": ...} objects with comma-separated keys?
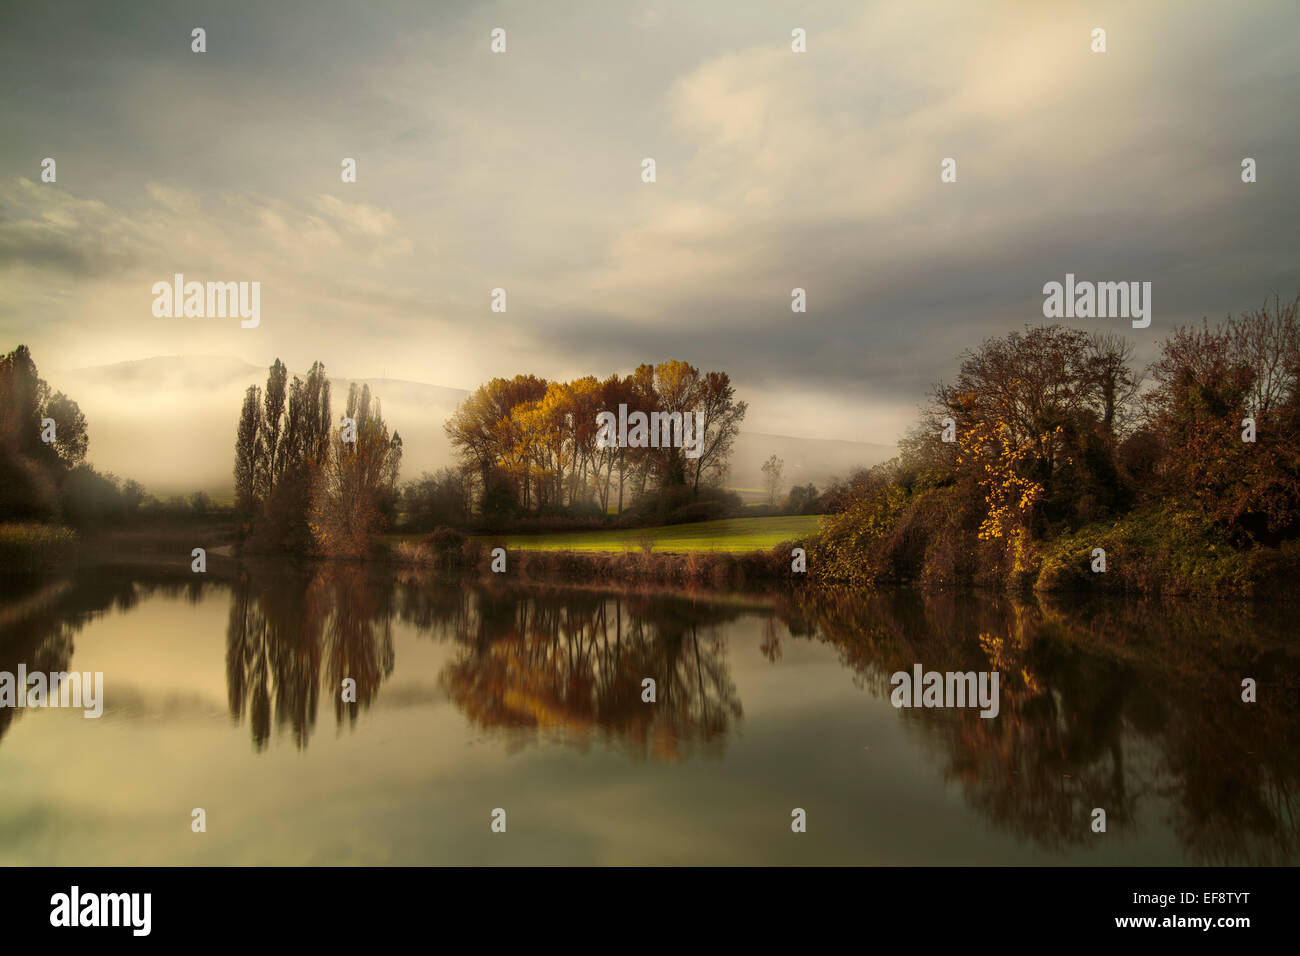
[
  {"x": 48, "y": 230},
  {"x": 775, "y": 170},
  {"x": 358, "y": 217}
]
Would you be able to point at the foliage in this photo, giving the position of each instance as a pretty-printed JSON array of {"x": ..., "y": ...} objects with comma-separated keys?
[
  {"x": 33, "y": 471},
  {"x": 532, "y": 446},
  {"x": 849, "y": 544},
  {"x": 298, "y": 485},
  {"x": 1154, "y": 549},
  {"x": 1051, "y": 436},
  {"x": 30, "y": 547}
]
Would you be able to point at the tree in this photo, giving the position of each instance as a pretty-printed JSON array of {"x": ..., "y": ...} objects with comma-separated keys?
[
  {"x": 437, "y": 500},
  {"x": 1042, "y": 395},
  {"x": 1207, "y": 382},
  {"x": 25, "y": 401},
  {"x": 722, "y": 418},
  {"x": 479, "y": 429},
  {"x": 1108, "y": 359},
  {"x": 772, "y": 478},
  {"x": 133, "y": 496},
  {"x": 1267, "y": 340},
  {"x": 248, "y": 456},
  {"x": 532, "y": 445},
  {"x": 33, "y": 472},
  {"x": 71, "y": 439},
  {"x": 356, "y": 481},
  {"x": 803, "y": 499},
  {"x": 305, "y": 445},
  {"x": 272, "y": 462},
  {"x": 273, "y": 489}
]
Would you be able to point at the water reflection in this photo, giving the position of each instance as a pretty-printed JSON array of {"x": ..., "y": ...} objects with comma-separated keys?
[
  {"x": 575, "y": 664},
  {"x": 1104, "y": 704},
  {"x": 40, "y": 618},
  {"x": 294, "y": 635},
  {"x": 569, "y": 664},
  {"x": 1128, "y": 705}
]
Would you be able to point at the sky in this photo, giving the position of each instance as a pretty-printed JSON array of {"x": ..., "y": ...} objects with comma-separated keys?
[{"x": 522, "y": 170}]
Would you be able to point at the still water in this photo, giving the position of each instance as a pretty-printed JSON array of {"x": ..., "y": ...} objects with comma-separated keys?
[{"x": 225, "y": 695}]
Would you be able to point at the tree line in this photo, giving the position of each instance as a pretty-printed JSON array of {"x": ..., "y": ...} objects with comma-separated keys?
[
  {"x": 44, "y": 477},
  {"x": 1051, "y": 430},
  {"x": 527, "y": 445},
  {"x": 304, "y": 483}
]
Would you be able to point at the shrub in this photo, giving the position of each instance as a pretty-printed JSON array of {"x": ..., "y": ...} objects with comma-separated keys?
[
  {"x": 1155, "y": 550},
  {"x": 28, "y": 548}
]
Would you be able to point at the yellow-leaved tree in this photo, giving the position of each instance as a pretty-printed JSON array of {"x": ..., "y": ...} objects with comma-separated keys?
[{"x": 997, "y": 462}]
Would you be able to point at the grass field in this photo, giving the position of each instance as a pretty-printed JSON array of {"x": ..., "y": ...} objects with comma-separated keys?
[{"x": 729, "y": 534}]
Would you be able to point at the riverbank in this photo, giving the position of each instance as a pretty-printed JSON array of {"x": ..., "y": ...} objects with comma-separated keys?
[{"x": 1148, "y": 552}]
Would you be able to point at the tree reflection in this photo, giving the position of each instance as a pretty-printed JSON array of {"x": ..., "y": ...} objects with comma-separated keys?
[
  {"x": 573, "y": 665},
  {"x": 292, "y": 637},
  {"x": 42, "y": 614},
  {"x": 1126, "y": 704},
  {"x": 1116, "y": 704},
  {"x": 524, "y": 661}
]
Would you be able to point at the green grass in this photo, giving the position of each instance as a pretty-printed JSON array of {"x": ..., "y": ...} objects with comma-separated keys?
[{"x": 729, "y": 534}]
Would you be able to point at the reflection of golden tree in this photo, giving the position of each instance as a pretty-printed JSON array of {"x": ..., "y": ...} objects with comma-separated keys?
[{"x": 574, "y": 667}]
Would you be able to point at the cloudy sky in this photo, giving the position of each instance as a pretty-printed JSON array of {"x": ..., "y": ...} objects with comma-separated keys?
[{"x": 522, "y": 170}]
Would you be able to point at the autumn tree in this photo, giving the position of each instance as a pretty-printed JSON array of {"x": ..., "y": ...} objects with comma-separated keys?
[
  {"x": 356, "y": 482},
  {"x": 1208, "y": 382},
  {"x": 1055, "y": 397},
  {"x": 722, "y": 416},
  {"x": 536, "y": 444},
  {"x": 479, "y": 429},
  {"x": 1031, "y": 382}
]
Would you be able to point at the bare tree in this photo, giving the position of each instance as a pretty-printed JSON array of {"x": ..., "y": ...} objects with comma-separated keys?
[{"x": 772, "y": 478}]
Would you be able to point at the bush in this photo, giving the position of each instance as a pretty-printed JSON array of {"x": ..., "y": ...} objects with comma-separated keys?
[
  {"x": 28, "y": 548},
  {"x": 443, "y": 541},
  {"x": 1154, "y": 550},
  {"x": 90, "y": 498},
  {"x": 802, "y": 500},
  {"x": 662, "y": 506},
  {"x": 698, "y": 511}
]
